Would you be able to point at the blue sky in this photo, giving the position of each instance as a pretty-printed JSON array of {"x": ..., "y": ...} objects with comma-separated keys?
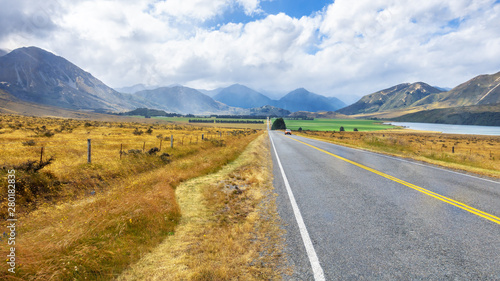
[
  {"x": 344, "y": 48},
  {"x": 292, "y": 8}
]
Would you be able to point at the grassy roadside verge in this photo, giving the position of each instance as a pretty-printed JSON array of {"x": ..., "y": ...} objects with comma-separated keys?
[
  {"x": 229, "y": 229},
  {"x": 469, "y": 153},
  {"x": 97, "y": 237}
]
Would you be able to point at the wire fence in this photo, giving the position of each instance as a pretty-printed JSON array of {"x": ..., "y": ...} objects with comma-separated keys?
[{"x": 104, "y": 147}]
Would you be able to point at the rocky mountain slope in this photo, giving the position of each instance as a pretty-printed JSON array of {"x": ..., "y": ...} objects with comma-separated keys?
[
  {"x": 400, "y": 96},
  {"x": 34, "y": 75},
  {"x": 481, "y": 90}
]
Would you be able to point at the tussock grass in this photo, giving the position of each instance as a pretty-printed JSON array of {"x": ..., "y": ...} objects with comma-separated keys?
[
  {"x": 105, "y": 215},
  {"x": 477, "y": 154},
  {"x": 229, "y": 229}
]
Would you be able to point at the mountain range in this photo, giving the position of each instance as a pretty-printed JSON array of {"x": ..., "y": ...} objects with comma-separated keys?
[
  {"x": 396, "y": 97},
  {"x": 481, "y": 90},
  {"x": 34, "y": 75},
  {"x": 31, "y": 77},
  {"x": 297, "y": 100}
]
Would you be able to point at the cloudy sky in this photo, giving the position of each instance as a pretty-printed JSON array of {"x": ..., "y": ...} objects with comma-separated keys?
[{"x": 340, "y": 48}]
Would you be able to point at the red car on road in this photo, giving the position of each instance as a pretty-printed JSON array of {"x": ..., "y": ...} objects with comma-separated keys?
[{"x": 288, "y": 132}]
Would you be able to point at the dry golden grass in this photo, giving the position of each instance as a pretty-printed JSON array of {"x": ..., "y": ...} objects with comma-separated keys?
[
  {"x": 477, "y": 154},
  {"x": 229, "y": 229},
  {"x": 69, "y": 232}
]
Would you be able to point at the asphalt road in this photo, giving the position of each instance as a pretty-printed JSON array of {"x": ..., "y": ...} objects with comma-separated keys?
[{"x": 368, "y": 220}]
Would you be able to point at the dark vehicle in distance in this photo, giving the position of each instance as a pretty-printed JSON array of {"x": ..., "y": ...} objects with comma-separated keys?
[{"x": 288, "y": 132}]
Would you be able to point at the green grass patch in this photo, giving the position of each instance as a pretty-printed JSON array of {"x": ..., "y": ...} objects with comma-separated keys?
[{"x": 335, "y": 124}]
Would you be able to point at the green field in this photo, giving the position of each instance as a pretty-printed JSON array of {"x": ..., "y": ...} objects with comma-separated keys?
[{"x": 335, "y": 124}]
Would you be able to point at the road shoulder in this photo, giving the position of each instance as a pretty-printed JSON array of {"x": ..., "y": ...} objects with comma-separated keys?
[{"x": 229, "y": 226}]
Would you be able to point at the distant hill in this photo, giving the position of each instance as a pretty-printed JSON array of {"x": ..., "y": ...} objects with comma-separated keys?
[
  {"x": 186, "y": 100},
  {"x": 303, "y": 100},
  {"x": 321, "y": 114},
  {"x": 241, "y": 96},
  {"x": 486, "y": 115},
  {"x": 400, "y": 96},
  {"x": 34, "y": 75},
  {"x": 3, "y": 52},
  {"x": 133, "y": 89},
  {"x": 268, "y": 110},
  {"x": 149, "y": 113}
]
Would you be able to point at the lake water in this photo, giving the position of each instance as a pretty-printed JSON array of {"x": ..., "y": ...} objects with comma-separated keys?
[{"x": 450, "y": 129}]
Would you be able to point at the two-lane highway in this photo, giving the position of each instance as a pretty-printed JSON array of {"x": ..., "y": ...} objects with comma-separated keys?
[{"x": 352, "y": 214}]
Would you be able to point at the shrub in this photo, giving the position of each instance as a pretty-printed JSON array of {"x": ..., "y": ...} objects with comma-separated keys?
[
  {"x": 153, "y": 151},
  {"x": 300, "y": 129},
  {"x": 29, "y": 143},
  {"x": 134, "y": 151},
  {"x": 137, "y": 132},
  {"x": 165, "y": 157},
  {"x": 48, "y": 134},
  {"x": 32, "y": 184},
  {"x": 355, "y": 129},
  {"x": 31, "y": 166},
  {"x": 217, "y": 143},
  {"x": 341, "y": 129}
]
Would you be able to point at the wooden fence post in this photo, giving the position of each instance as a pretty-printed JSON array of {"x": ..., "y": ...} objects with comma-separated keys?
[
  {"x": 121, "y": 150},
  {"x": 171, "y": 141},
  {"x": 160, "y": 143},
  {"x": 89, "y": 151},
  {"x": 41, "y": 156}
]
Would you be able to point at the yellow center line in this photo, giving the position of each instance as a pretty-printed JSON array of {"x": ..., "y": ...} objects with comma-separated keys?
[{"x": 415, "y": 187}]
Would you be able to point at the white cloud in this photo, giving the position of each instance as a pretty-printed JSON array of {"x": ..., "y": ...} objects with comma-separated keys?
[
  {"x": 201, "y": 10},
  {"x": 250, "y": 6},
  {"x": 350, "y": 48}
]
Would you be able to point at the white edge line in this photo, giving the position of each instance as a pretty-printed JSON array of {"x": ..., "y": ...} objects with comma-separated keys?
[
  {"x": 311, "y": 253},
  {"x": 407, "y": 161}
]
